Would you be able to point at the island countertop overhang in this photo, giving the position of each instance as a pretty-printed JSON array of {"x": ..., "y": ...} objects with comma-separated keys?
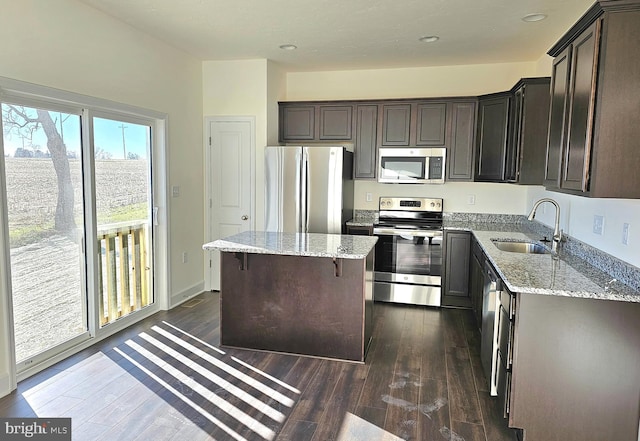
[{"x": 338, "y": 246}]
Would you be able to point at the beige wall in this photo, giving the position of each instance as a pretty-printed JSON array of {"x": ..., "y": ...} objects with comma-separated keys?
[
  {"x": 67, "y": 45},
  {"x": 469, "y": 80},
  {"x": 577, "y": 212}
]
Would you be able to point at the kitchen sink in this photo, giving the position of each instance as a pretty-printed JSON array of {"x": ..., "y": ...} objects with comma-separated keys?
[{"x": 520, "y": 247}]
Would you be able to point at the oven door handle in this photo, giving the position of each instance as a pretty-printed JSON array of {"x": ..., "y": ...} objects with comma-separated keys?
[{"x": 407, "y": 233}]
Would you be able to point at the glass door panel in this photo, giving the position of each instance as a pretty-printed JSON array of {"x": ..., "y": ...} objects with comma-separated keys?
[
  {"x": 124, "y": 217},
  {"x": 43, "y": 168}
]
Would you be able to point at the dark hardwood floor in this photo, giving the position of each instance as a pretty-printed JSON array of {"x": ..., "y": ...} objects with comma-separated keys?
[{"x": 166, "y": 378}]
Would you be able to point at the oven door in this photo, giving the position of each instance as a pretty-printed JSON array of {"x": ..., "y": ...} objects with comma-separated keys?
[{"x": 408, "y": 256}]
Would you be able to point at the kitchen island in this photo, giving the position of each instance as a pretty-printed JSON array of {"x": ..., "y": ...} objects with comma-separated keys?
[{"x": 299, "y": 293}]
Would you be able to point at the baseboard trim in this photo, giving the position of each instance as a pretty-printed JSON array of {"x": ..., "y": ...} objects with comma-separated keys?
[{"x": 186, "y": 294}]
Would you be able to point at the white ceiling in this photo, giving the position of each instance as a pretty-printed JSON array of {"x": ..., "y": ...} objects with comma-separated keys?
[{"x": 352, "y": 34}]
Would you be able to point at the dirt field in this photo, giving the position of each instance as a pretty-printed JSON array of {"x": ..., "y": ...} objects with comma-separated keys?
[
  {"x": 47, "y": 283},
  {"x": 32, "y": 187}
]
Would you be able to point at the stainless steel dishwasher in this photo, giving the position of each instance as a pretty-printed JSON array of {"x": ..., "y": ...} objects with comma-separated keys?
[{"x": 489, "y": 344}]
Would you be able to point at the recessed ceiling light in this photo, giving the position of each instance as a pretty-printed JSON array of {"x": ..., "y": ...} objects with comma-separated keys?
[
  {"x": 429, "y": 39},
  {"x": 533, "y": 17},
  {"x": 288, "y": 47}
]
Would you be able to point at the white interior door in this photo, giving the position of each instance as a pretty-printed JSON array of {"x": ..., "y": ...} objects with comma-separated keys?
[{"x": 231, "y": 187}]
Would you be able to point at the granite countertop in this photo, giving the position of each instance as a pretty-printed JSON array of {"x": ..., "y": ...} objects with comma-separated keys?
[
  {"x": 296, "y": 244},
  {"x": 561, "y": 275}
]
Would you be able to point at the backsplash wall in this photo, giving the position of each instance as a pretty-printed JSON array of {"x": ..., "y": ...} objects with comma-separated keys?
[
  {"x": 486, "y": 197},
  {"x": 576, "y": 213},
  {"x": 576, "y": 219}
]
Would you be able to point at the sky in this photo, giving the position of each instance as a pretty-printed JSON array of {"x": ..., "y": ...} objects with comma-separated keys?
[{"x": 108, "y": 136}]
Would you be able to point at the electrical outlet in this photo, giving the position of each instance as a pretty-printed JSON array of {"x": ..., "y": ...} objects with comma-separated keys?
[
  {"x": 175, "y": 191},
  {"x": 369, "y": 197},
  {"x": 625, "y": 233},
  {"x": 185, "y": 257},
  {"x": 598, "y": 224},
  {"x": 471, "y": 199}
]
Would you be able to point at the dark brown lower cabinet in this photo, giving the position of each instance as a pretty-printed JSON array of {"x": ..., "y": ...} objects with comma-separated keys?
[
  {"x": 316, "y": 306},
  {"x": 575, "y": 369},
  {"x": 457, "y": 246}
]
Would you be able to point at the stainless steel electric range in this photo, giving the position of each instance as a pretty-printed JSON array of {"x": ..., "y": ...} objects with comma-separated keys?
[{"x": 408, "y": 263}]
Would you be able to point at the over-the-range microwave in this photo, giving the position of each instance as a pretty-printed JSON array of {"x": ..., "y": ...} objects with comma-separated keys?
[{"x": 411, "y": 165}]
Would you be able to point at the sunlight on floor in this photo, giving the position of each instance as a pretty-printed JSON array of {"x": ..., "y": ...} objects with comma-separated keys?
[
  {"x": 230, "y": 394},
  {"x": 356, "y": 429}
]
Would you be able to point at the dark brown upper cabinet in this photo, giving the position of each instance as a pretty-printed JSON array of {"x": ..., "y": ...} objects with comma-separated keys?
[
  {"x": 396, "y": 124},
  {"x": 316, "y": 122},
  {"x": 431, "y": 124},
  {"x": 461, "y": 127},
  {"x": 366, "y": 137},
  {"x": 594, "y": 130},
  {"x": 492, "y": 136},
  {"x": 297, "y": 122},
  {"x": 335, "y": 123},
  {"x": 526, "y": 150}
]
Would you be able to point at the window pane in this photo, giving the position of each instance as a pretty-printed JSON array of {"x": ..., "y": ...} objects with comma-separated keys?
[
  {"x": 45, "y": 200},
  {"x": 123, "y": 209}
]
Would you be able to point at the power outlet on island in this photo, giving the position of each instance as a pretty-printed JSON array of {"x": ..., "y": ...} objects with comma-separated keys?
[
  {"x": 598, "y": 224},
  {"x": 185, "y": 257}
]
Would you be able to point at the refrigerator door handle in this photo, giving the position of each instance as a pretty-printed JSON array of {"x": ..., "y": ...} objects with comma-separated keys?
[
  {"x": 299, "y": 187},
  {"x": 304, "y": 192}
]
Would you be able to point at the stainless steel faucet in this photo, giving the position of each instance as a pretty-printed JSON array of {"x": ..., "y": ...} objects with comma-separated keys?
[{"x": 557, "y": 232}]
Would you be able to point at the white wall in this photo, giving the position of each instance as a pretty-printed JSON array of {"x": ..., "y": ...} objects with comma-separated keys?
[
  {"x": 67, "y": 45},
  {"x": 577, "y": 220},
  {"x": 488, "y": 197}
]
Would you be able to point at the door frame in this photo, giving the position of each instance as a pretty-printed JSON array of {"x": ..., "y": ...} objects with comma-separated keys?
[{"x": 210, "y": 194}]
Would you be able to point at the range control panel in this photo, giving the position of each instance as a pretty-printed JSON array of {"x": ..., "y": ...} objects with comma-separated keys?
[{"x": 411, "y": 204}]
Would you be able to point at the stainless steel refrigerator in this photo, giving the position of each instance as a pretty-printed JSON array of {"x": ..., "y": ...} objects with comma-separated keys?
[{"x": 308, "y": 189}]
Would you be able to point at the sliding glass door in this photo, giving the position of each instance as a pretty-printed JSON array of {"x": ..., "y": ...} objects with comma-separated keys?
[
  {"x": 79, "y": 203},
  {"x": 45, "y": 193}
]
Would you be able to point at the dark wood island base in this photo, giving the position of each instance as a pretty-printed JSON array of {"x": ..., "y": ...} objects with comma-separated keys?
[{"x": 316, "y": 306}]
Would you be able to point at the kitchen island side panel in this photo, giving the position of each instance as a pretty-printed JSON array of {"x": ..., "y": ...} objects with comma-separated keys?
[{"x": 293, "y": 304}]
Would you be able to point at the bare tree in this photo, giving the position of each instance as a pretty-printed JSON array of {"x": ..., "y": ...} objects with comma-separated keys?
[{"x": 20, "y": 120}]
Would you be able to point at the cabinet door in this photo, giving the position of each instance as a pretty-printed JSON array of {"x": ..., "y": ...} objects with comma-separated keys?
[
  {"x": 335, "y": 123},
  {"x": 559, "y": 101},
  {"x": 365, "y": 145},
  {"x": 396, "y": 120},
  {"x": 583, "y": 75},
  {"x": 298, "y": 123},
  {"x": 457, "y": 254},
  {"x": 532, "y": 133},
  {"x": 493, "y": 117},
  {"x": 431, "y": 124},
  {"x": 460, "y": 149},
  {"x": 513, "y": 150}
]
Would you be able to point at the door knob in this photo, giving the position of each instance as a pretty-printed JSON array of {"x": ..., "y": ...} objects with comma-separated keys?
[{"x": 244, "y": 217}]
